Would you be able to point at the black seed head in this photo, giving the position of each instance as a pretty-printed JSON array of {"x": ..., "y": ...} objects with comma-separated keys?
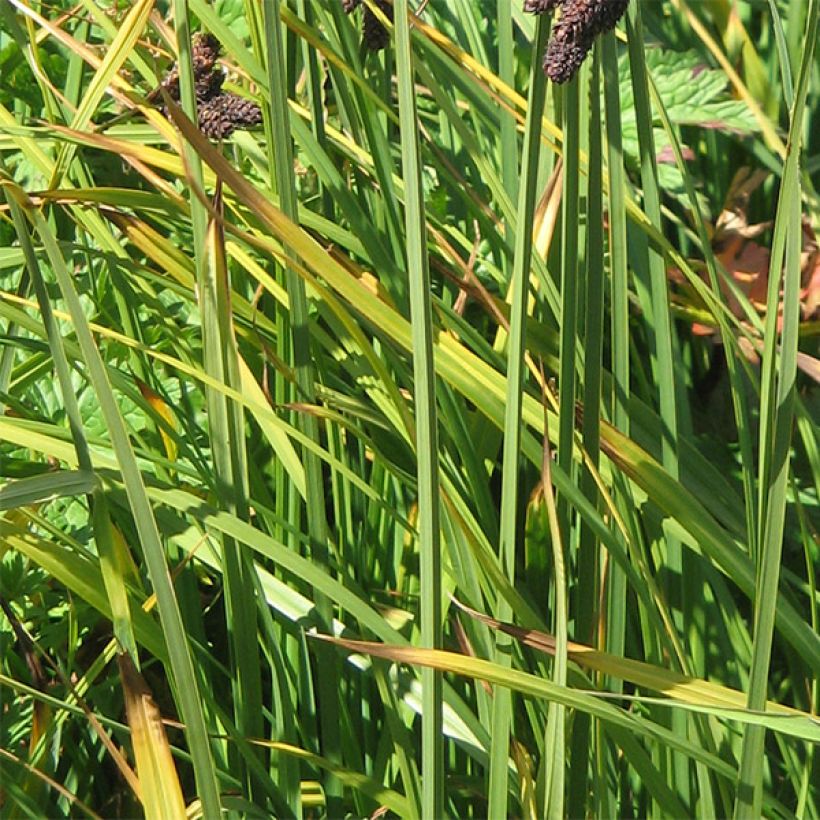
[
  {"x": 221, "y": 116},
  {"x": 209, "y": 85},
  {"x": 541, "y": 6},
  {"x": 205, "y": 50},
  {"x": 574, "y": 34},
  {"x": 608, "y": 13},
  {"x": 375, "y": 36},
  {"x": 208, "y": 79}
]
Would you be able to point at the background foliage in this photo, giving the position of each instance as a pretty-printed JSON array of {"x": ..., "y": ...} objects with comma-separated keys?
[{"x": 510, "y": 387}]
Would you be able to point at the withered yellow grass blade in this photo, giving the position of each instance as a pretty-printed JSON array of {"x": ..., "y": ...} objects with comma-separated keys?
[
  {"x": 785, "y": 721},
  {"x": 672, "y": 684},
  {"x": 160, "y": 792},
  {"x": 160, "y": 406}
]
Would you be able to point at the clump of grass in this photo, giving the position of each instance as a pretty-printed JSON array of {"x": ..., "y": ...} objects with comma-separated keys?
[{"x": 421, "y": 448}]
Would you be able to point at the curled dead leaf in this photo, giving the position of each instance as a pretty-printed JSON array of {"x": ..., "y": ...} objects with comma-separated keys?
[{"x": 747, "y": 261}]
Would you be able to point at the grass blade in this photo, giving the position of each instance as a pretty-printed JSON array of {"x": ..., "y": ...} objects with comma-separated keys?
[
  {"x": 424, "y": 380},
  {"x": 499, "y": 770}
]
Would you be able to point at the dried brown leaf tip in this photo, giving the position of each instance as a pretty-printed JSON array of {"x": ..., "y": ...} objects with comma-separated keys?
[
  {"x": 573, "y": 35},
  {"x": 219, "y": 112},
  {"x": 375, "y": 36}
]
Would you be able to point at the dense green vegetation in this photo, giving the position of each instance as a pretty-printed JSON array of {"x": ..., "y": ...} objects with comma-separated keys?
[{"x": 444, "y": 445}]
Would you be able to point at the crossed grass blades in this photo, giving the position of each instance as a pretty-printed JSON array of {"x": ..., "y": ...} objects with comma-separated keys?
[
  {"x": 581, "y": 21},
  {"x": 219, "y": 112}
]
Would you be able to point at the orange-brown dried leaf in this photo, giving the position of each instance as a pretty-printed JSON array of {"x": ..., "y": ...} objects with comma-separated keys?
[
  {"x": 160, "y": 406},
  {"x": 747, "y": 261}
]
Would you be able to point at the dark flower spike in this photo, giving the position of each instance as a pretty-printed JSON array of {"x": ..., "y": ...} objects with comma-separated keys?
[
  {"x": 541, "y": 6},
  {"x": 375, "y": 36},
  {"x": 581, "y": 21},
  {"x": 608, "y": 14},
  {"x": 226, "y": 113},
  {"x": 209, "y": 86},
  {"x": 571, "y": 39},
  {"x": 205, "y": 50},
  {"x": 219, "y": 113}
]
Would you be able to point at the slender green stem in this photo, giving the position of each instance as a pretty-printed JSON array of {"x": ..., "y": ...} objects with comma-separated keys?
[
  {"x": 424, "y": 379},
  {"x": 305, "y": 381},
  {"x": 663, "y": 345},
  {"x": 778, "y": 393},
  {"x": 500, "y": 732}
]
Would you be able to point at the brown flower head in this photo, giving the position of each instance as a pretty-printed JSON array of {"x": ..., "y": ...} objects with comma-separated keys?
[
  {"x": 221, "y": 116},
  {"x": 375, "y": 36},
  {"x": 219, "y": 113},
  {"x": 580, "y": 22},
  {"x": 541, "y": 6},
  {"x": 205, "y": 49}
]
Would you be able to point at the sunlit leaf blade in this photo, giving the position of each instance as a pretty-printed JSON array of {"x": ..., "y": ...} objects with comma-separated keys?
[
  {"x": 160, "y": 791},
  {"x": 41, "y": 489},
  {"x": 217, "y": 402},
  {"x": 798, "y": 725}
]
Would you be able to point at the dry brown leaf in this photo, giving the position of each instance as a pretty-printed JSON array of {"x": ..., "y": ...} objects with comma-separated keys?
[{"x": 747, "y": 261}]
